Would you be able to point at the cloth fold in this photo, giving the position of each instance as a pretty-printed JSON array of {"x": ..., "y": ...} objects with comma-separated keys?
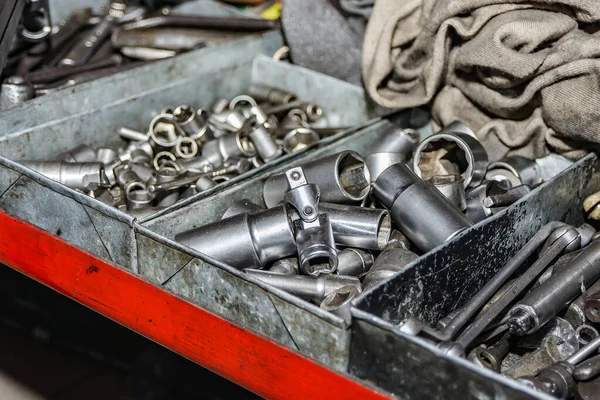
[{"x": 525, "y": 76}]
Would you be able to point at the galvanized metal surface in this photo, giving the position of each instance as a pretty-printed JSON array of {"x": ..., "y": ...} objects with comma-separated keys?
[{"x": 446, "y": 278}]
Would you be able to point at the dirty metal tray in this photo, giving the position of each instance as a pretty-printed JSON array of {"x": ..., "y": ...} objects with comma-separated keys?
[{"x": 443, "y": 281}]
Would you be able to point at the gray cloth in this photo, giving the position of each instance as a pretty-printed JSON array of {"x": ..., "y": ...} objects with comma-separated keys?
[
  {"x": 320, "y": 38},
  {"x": 524, "y": 76}
]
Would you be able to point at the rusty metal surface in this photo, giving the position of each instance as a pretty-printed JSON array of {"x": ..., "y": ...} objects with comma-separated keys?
[{"x": 446, "y": 278}]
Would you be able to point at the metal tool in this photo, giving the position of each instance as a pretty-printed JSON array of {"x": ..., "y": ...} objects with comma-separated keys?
[
  {"x": 317, "y": 253},
  {"x": 454, "y": 145},
  {"x": 547, "y": 299},
  {"x": 339, "y": 302},
  {"x": 81, "y": 176},
  {"x": 417, "y": 208},
  {"x": 354, "y": 262},
  {"x": 313, "y": 288}
]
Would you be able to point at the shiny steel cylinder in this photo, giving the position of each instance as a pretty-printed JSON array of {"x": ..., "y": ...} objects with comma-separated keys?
[
  {"x": 451, "y": 186},
  {"x": 342, "y": 178},
  {"x": 394, "y": 258},
  {"x": 265, "y": 144},
  {"x": 82, "y": 153},
  {"x": 354, "y": 262},
  {"x": 132, "y": 134},
  {"x": 270, "y": 94},
  {"x": 192, "y": 122},
  {"x": 360, "y": 227},
  {"x": 105, "y": 155},
  {"x": 137, "y": 197},
  {"x": 399, "y": 141},
  {"x": 224, "y": 148},
  {"x": 313, "y": 288},
  {"x": 418, "y": 209},
  {"x": 379, "y": 162},
  {"x": 317, "y": 253},
  {"x": 550, "y": 297},
  {"x": 245, "y": 240},
  {"x": 466, "y": 147},
  {"x": 186, "y": 148},
  {"x": 80, "y": 176}
]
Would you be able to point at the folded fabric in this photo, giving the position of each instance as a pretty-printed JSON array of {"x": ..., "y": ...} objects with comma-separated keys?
[{"x": 525, "y": 76}]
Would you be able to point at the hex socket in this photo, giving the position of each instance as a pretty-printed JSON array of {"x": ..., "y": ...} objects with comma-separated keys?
[
  {"x": 354, "y": 262},
  {"x": 270, "y": 94},
  {"x": 226, "y": 147},
  {"x": 245, "y": 240},
  {"x": 550, "y": 297},
  {"x": 191, "y": 122},
  {"x": 342, "y": 178},
  {"x": 265, "y": 145},
  {"x": 317, "y": 253},
  {"x": 418, "y": 209},
  {"x": 313, "y": 288},
  {"x": 360, "y": 227},
  {"x": 80, "y": 176},
  {"x": 394, "y": 258}
]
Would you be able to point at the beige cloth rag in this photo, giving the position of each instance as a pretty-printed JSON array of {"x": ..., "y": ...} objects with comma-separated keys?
[{"x": 524, "y": 75}]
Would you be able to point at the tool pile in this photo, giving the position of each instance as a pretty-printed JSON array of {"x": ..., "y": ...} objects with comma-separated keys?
[
  {"x": 110, "y": 38},
  {"x": 326, "y": 229},
  {"x": 187, "y": 150}
]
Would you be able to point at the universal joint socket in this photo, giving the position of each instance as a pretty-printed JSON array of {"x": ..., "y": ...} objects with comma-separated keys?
[
  {"x": 80, "y": 176},
  {"x": 342, "y": 178},
  {"x": 418, "y": 209},
  {"x": 317, "y": 253},
  {"x": 550, "y": 297},
  {"x": 313, "y": 288},
  {"x": 227, "y": 147},
  {"x": 245, "y": 241}
]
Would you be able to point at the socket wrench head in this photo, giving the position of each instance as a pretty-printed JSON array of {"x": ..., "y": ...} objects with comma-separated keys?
[
  {"x": 192, "y": 122},
  {"x": 164, "y": 131},
  {"x": 186, "y": 148},
  {"x": 257, "y": 239},
  {"x": 450, "y": 154},
  {"x": 317, "y": 253},
  {"x": 354, "y": 262},
  {"x": 339, "y": 302},
  {"x": 342, "y": 178},
  {"x": 379, "y": 162},
  {"x": 359, "y": 227},
  {"x": 451, "y": 186},
  {"x": 299, "y": 139}
]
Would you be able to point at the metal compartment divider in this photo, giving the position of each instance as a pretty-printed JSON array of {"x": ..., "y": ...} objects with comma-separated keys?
[{"x": 443, "y": 281}]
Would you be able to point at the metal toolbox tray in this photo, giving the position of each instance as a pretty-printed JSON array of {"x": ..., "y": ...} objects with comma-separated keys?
[
  {"x": 92, "y": 113},
  {"x": 246, "y": 300},
  {"x": 443, "y": 281}
]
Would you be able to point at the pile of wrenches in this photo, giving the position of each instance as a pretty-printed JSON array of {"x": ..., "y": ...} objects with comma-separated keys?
[
  {"x": 188, "y": 150},
  {"x": 93, "y": 43}
]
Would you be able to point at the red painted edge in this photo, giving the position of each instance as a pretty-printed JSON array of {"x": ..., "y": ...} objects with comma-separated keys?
[{"x": 250, "y": 360}]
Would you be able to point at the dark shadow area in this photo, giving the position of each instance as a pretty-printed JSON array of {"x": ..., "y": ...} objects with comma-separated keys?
[{"x": 54, "y": 348}]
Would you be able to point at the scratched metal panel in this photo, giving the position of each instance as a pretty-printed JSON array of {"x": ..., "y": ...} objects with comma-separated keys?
[
  {"x": 445, "y": 279},
  {"x": 70, "y": 215},
  {"x": 245, "y": 302}
]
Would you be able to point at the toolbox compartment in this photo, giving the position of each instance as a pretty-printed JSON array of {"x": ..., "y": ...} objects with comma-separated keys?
[{"x": 442, "y": 281}]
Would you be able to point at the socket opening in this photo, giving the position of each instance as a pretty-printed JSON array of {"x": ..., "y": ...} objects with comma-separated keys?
[
  {"x": 353, "y": 176},
  {"x": 486, "y": 359},
  {"x": 184, "y": 114},
  {"x": 187, "y": 148},
  {"x": 314, "y": 111},
  {"x": 585, "y": 334},
  {"x": 384, "y": 230}
]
